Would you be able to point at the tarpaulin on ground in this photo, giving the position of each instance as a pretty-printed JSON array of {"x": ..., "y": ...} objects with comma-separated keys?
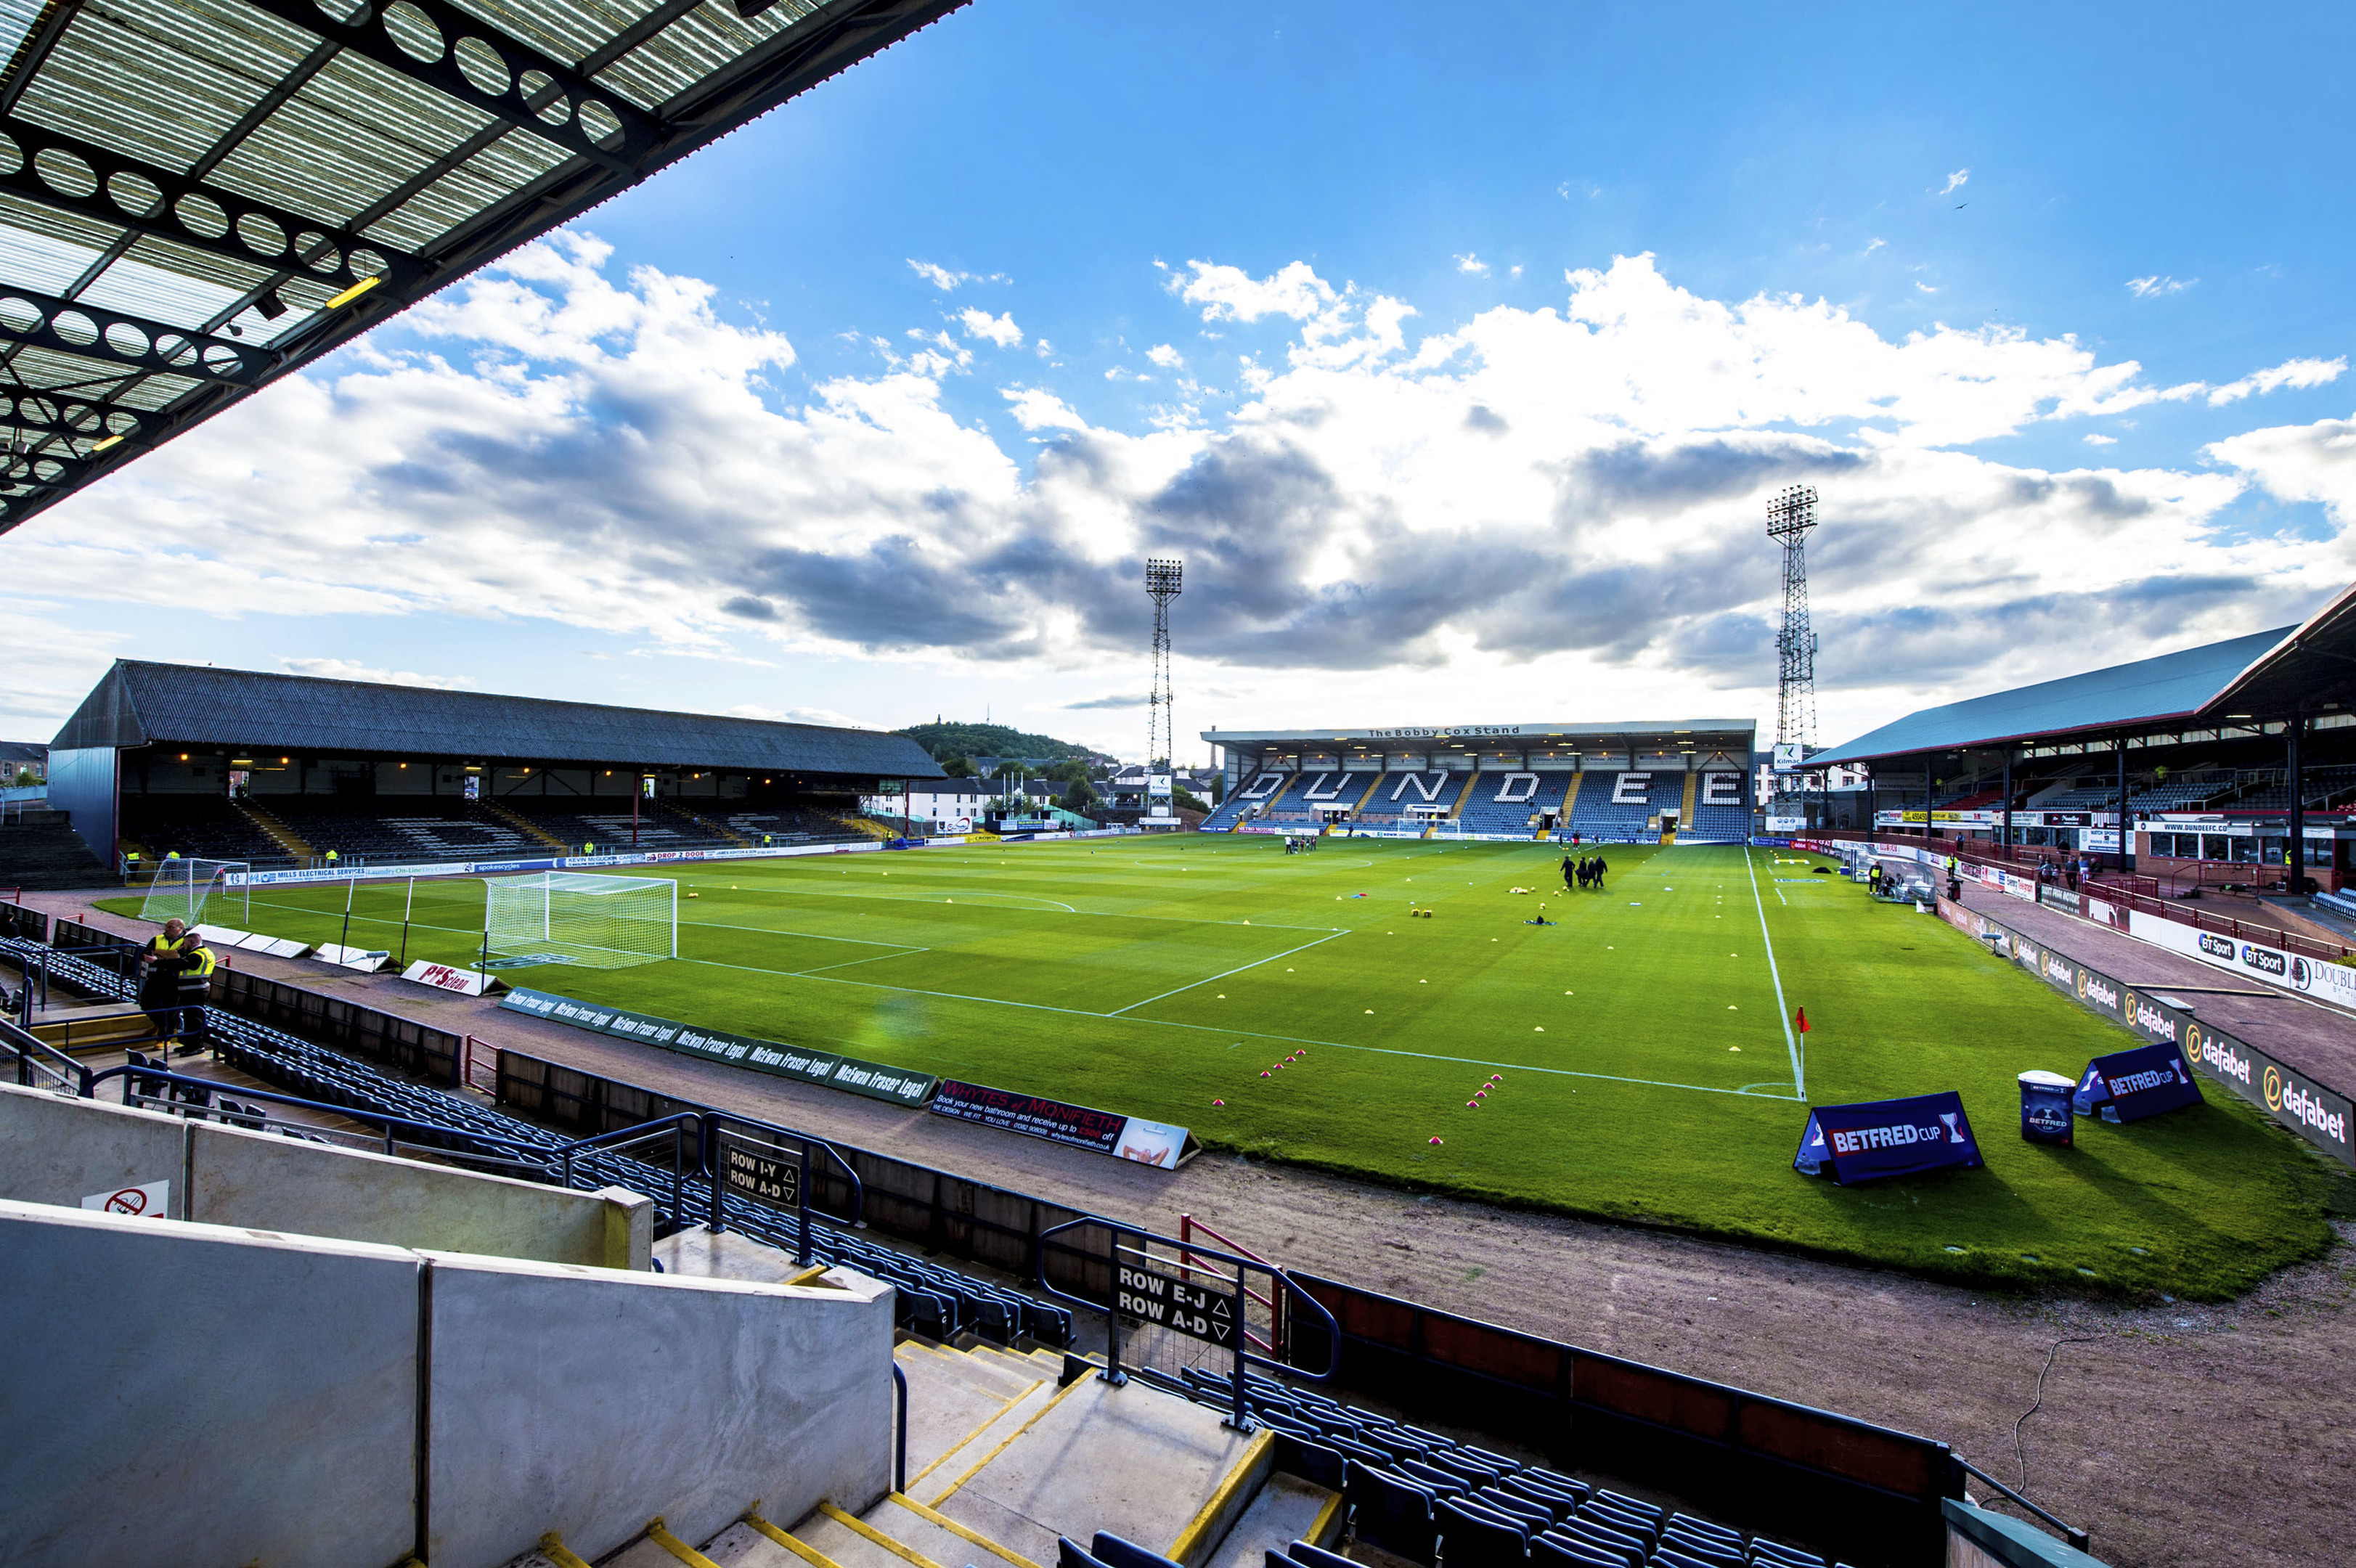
[
  {"x": 2128, "y": 1085},
  {"x": 1887, "y": 1138}
]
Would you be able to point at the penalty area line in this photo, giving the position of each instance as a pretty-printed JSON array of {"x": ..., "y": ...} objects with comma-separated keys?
[{"x": 1225, "y": 973}]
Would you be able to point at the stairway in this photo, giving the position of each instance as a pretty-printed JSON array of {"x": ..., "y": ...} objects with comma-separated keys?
[
  {"x": 41, "y": 850},
  {"x": 289, "y": 843},
  {"x": 703, "y": 826},
  {"x": 524, "y": 825},
  {"x": 1005, "y": 1455}
]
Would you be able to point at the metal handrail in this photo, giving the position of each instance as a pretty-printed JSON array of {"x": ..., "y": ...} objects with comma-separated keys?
[
  {"x": 2070, "y": 1533},
  {"x": 899, "y": 1428},
  {"x": 1274, "y": 1343},
  {"x": 211, "y": 1086},
  {"x": 624, "y": 1137},
  {"x": 717, "y": 1220},
  {"x": 1245, "y": 1358},
  {"x": 28, "y": 1047}
]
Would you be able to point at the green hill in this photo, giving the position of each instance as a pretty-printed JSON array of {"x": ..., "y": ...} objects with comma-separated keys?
[{"x": 945, "y": 740}]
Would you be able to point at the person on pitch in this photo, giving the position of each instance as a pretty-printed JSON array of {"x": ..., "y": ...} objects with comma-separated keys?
[
  {"x": 1600, "y": 869},
  {"x": 1569, "y": 874}
]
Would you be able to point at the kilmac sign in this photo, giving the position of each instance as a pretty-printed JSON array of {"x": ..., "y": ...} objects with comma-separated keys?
[{"x": 1887, "y": 1138}]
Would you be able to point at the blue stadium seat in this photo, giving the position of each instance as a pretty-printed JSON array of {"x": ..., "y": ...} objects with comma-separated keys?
[
  {"x": 1393, "y": 1512},
  {"x": 1114, "y": 1552},
  {"x": 1472, "y": 1536}
]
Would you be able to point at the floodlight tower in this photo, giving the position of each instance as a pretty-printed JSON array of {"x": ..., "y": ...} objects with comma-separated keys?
[
  {"x": 1790, "y": 515},
  {"x": 1162, "y": 584}
]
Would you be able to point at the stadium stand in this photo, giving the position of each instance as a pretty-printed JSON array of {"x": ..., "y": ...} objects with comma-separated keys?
[
  {"x": 1532, "y": 795},
  {"x": 1395, "y": 792},
  {"x": 275, "y": 769},
  {"x": 1601, "y": 813},
  {"x": 1717, "y": 820}
]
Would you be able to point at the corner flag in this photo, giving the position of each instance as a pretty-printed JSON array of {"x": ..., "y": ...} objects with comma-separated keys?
[{"x": 1801, "y": 1018}]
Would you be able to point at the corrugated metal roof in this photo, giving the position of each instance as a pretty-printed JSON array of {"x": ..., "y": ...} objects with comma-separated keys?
[
  {"x": 2171, "y": 685},
  {"x": 140, "y": 704},
  {"x": 197, "y": 197}
]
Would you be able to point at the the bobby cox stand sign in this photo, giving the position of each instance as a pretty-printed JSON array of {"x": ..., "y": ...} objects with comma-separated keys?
[
  {"x": 1887, "y": 1138},
  {"x": 1175, "y": 1305}
]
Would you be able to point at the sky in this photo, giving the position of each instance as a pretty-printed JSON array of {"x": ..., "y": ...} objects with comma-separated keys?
[{"x": 1456, "y": 354}]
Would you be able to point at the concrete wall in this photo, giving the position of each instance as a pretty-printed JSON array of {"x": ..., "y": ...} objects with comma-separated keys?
[
  {"x": 59, "y": 1150},
  {"x": 191, "y": 1393},
  {"x": 197, "y": 1393},
  {"x": 586, "y": 1402}
]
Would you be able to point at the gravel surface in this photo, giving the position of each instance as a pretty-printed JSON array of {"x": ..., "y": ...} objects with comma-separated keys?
[{"x": 2177, "y": 1435}]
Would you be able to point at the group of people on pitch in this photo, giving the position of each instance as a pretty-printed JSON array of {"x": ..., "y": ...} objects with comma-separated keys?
[
  {"x": 175, "y": 978},
  {"x": 1586, "y": 872}
]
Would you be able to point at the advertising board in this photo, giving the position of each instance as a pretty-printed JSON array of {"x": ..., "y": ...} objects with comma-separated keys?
[
  {"x": 898, "y": 1085},
  {"x": 2334, "y": 983},
  {"x": 1156, "y": 1143},
  {"x": 1875, "y": 1138}
]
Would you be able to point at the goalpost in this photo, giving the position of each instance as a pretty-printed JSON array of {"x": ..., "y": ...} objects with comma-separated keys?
[
  {"x": 579, "y": 918},
  {"x": 182, "y": 890}
]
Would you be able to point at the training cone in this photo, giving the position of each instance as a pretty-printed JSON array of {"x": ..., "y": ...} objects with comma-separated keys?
[
  {"x": 1435, "y": 1140},
  {"x": 1800, "y": 1019},
  {"x": 1217, "y": 1102}
]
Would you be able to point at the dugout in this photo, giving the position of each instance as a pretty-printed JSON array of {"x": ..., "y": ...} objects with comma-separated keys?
[
  {"x": 2217, "y": 758},
  {"x": 244, "y": 766}
]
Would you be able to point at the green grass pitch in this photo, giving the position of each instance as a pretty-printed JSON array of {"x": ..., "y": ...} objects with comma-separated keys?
[{"x": 1637, "y": 1053}]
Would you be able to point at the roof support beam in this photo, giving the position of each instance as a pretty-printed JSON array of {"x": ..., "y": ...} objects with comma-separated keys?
[
  {"x": 133, "y": 342},
  {"x": 146, "y": 198},
  {"x": 542, "y": 94}
]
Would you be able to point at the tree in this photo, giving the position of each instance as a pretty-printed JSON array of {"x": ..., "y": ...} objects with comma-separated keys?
[
  {"x": 1081, "y": 798},
  {"x": 1186, "y": 802},
  {"x": 956, "y": 767}
]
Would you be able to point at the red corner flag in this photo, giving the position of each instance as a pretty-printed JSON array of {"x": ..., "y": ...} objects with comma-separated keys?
[{"x": 1801, "y": 1018}]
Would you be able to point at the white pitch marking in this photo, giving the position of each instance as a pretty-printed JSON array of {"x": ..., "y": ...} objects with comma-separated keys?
[
  {"x": 1225, "y": 973},
  {"x": 1790, "y": 1041}
]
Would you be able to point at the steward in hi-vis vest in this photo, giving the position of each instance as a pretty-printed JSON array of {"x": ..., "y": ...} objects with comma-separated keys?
[
  {"x": 159, "y": 977},
  {"x": 196, "y": 992}
]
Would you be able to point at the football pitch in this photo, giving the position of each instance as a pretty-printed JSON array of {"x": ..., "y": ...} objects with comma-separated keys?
[{"x": 1636, "y": 1050}]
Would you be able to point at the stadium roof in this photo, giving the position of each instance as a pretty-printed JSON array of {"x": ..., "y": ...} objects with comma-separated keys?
[
  {"x": 140, "y": 704},
  {"x": 2171, "y": 686},
  {"x": 1703, "y": 737},
  {"x": 198, "y": 196}
]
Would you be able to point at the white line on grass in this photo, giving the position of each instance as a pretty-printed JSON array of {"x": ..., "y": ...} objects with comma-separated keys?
[
  {"x": 871, "y": 958},
  {"x": 1248, "y": 1034},
  {"x": 1225, "y": 973},
  {"x": 1790, "y": 1041}
]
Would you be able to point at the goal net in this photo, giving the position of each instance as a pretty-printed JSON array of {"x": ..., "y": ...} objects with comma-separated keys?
[
  {"x": 192, "y": 891},
  {"x": 575, "y": 917}
]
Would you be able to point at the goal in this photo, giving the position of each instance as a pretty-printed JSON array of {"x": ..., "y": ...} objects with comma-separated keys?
[
  {"x": 575, "y": 917},
  {"x": 187, "y": 890}
]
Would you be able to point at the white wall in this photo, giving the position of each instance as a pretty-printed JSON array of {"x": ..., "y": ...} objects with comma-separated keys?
[
  {"x": 59, "y": 1150},
  {"x": 182, "y": 1392}
]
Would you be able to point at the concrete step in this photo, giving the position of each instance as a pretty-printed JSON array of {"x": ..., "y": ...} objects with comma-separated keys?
[
  {"x": 993, "y": 1377},
  {"x": 944, "y": 1410},
  {"x": 935, "y": 1535},
  {"x": 976, "y": 1442},
  {"x": 1130, "y": 1459},
  {"x": 1285, "y": 1510},
  {"x": 1021, "y": 1365},
  {"x": 742, "y": 1545}
]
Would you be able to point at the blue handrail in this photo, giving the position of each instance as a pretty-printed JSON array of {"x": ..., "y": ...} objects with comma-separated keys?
[
  {"x": 899, "y": 1427},
  {"x": 134, "y": 1077},
  {"x": 1191, "y": 1252},
  {"x": 717, "y": 1221},
  {"x": 28, "y": 1048}
]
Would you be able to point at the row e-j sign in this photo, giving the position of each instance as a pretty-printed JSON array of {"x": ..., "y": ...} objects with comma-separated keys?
[{"x": 1177, "y": 1305}]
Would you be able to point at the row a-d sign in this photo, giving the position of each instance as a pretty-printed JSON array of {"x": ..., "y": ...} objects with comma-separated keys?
[
  {"x": 1176, "y": 1304},
  {"x": 760, "y": 1172}
]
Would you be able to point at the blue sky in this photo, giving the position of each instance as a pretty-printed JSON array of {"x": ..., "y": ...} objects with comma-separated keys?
[{"x": 1479, "y": 348}]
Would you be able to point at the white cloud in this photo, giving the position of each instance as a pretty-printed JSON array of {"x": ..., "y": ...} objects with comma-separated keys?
[
  {"x": 1956, "y": 181},
  {"x": 826, "y": 716},
  {"x": 1230, "y": 293},
  {"x": 1564, "y": 498},
  {"x": 1875, "y": 244},
  {"x": 1470, "y": 263},
  {"x": 998, "y": 329},
  {"x": 2298, "y": 373},
  {"x": 943, "y": 279},
  {"x": 352, "y": 669},
  {"x": 1163, "y": 354},
  {"x": 2092, "y": 439},
  {"x": 2156, "y": 286},
  {"x": 1926, "y": 288},
  {"x": 1516, "y": 271}
]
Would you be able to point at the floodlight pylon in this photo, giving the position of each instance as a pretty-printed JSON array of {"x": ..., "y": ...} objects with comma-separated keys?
[
  {"x": 1162, "y": 584},
  {"x": 1790, "y": 515}
]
